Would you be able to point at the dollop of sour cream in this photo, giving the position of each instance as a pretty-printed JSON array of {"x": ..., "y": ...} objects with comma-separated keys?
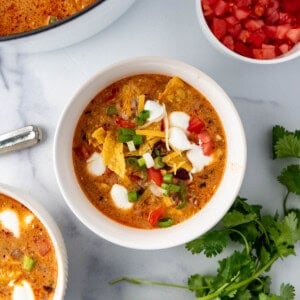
[
  {"x": 95, "y": 164},
  {"x": 179, "y": 119},
  {"x": 23, "y": 291},
  {"x": 10, "y": 221},
  {"x": 119, "y": 195},
  {"x": 156, "y": 110},
  {"x": 178, "y": 139},
  {"x": 197, "y": 158}
]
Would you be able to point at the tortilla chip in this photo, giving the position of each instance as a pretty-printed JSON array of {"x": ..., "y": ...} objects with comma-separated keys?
[
  {"x": 113, "y": 155},
  {"x": 128, "y": 93},
  {"x": 97, "y": 138},
  {"x": 176, "y": 91}
]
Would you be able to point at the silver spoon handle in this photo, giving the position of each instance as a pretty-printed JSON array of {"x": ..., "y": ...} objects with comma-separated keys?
[{"x": 20, "y": 139}]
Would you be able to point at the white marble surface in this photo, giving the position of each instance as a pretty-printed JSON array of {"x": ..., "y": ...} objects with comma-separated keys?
[{"x": 35, "y": 88}]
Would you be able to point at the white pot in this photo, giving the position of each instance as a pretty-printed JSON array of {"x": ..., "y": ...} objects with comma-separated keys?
[{"x": 69, "y": 31}]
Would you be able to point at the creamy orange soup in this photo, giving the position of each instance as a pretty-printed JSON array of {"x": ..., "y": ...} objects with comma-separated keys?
[
  {"x": 18, "y": 16},
  {"x": 28, "y": 266},
  {"x": 149, "y": 151}
]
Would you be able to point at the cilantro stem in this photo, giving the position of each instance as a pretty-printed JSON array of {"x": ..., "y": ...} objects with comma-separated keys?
[
  {"x": 244, "y": 239},
  {"x": 142, "y": 281},
  {"x": 285, "y": 210},
  {"x": 262, "y": 228},
  {"x": 238, "y": 285}
]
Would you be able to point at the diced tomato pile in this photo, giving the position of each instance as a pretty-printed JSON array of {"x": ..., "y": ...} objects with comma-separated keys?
[{"x": 260, "y": 29}]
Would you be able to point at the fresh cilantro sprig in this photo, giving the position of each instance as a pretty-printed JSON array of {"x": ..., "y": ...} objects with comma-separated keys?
[
  {"x": 262, "y": 240},
  {"x": 287, "y": 144}
]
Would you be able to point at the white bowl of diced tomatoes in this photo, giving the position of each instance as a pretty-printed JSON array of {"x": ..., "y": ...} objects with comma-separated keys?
[{"x": 259, "y": 31}]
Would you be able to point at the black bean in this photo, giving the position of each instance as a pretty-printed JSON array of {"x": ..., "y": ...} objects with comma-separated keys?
[{"x": 182, "y": 174}]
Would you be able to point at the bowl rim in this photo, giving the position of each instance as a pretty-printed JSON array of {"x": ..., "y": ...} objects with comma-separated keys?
[
  {"x": 52, "y": 229},
  {"x": 38, "y": 30},
  {"x": 222, "y": 48},
  {"x": 135, "y": 238}
]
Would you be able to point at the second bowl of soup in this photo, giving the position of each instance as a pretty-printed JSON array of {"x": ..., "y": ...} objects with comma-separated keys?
[{"x": 150, "y": 153}]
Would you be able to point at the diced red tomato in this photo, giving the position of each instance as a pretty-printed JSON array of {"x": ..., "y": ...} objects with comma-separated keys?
[
  {"x": 231, "y": 21},
  {"x": 242, "y": 49},
  {"x": 155, "y": 176},
  {"x": 206, "y": 142},
  {"x": 282, "y": 31},
  {"x": 195, "y": 125},
  {"x": 272, "y": 16},
  {"x": 291, "y": 5},
  {"x": 219, "y": 28},
  {"x": 228, "y": 42},
  {"x": 235, "y": 30},
  {"x": 244, "y": 35},
  {"x": 265, "y": 52},
  {"x": 83, "y": 151},
  {"x": 155, "y": 215},
  {"x": 257, "y": 38},
  {"x": 220, "y": 8},
  {"x": 259, "y": 10},
  {"x": 286, "y": 18},
  {"x": 124, "y": 123},
  {"x": 241, "y": 13},
  {"x": 253, "y": 25},
  {"x": 284, "y": 48},
  {"x": 270, "y": 31},
  {"x": 243, "y": 3},
  {"x": 293, "y": 35}
]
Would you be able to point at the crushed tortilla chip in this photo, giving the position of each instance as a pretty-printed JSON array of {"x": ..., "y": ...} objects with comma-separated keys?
[
  {"x": 176, "y": 91},
  {"x": 113, "y": 155},
  {"x": 129, "y": 92},
  {"x": 141, "y": 103},
  {"x": 176, "y": 160},
  {"x": 97, "y": 138}
]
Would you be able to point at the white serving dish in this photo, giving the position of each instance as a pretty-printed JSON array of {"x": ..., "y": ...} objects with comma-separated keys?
[
  {"x": 53, "y": 231},
  {"x": 201, "y": 222}
]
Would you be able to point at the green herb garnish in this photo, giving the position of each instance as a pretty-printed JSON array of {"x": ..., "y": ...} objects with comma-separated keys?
[
  {"x": 158, "y": 162},
  {"x": 262, "y": 239},
  {"x": 142, "y": 117},
  {"x": 111, "y": 110},
  {"x": 133, "y": 196},
  {"x": 28, "y": 263},
  {"x": 168, "y": 178},
  {"x": 165, "y": 222}
]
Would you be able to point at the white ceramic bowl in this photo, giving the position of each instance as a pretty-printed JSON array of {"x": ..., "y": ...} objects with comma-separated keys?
[
  {"x": 293, "y": 53},
  {"x": 69, "y": 31},
  {"x": 201, "y": 222},
  {"x": 53, "y": 231}
]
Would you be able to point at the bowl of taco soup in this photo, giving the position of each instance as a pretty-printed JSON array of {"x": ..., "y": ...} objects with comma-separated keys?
[
  {"x": 150, "y": 153},
  {"x": 33, "y": 257}
]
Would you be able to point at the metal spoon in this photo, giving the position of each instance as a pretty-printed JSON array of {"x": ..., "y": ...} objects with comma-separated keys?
[{"x": 20, "y": 139}]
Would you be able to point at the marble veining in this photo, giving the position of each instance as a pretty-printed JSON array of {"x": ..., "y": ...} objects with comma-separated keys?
[{"x": 35, "y": 88}]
